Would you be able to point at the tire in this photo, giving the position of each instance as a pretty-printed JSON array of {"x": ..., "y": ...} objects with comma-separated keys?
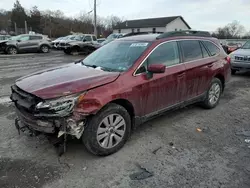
[
  {"x": 233, "y": 72},
  {"x": 103, "y": 146},
  {"x": 12, "y": 50},
  {"x": 209, "y": 103},
  {"x": 75, "y": 51},
  {"x": 87, "y": 51},
  {"x": 66, "y": 51},
  {"x": 44, "y": 49}
]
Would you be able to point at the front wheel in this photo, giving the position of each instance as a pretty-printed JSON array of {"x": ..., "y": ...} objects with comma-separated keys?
[
  {"x": 12, "y": 50},
  {"x": 108, "y": 130},
  {"x": 213, "y": 94}
]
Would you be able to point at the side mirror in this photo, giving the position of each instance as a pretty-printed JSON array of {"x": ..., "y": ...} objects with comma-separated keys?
[
  {"x": 84, "y": 40},
  {"x": 157, "y": 68}
]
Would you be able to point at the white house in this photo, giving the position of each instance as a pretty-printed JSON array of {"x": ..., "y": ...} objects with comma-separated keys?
[{"x": 154, "y": 25}]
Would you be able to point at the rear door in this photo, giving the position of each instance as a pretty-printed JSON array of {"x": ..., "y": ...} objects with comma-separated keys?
[
  {"x": 34, "y": 42},
  {"x": 165, "y": 89},
  {"x": 196, "y": 60}
]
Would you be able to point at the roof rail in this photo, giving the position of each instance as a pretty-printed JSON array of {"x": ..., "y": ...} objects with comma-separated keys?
[
  {"x": 139, "y": 33},
  {"x": 184, "y": 33}
]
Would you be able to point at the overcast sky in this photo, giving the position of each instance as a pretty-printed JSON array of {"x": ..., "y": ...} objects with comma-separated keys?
[{"x": 199, "y": 14}]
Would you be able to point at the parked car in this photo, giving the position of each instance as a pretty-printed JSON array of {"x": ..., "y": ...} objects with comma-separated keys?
[
  {"x": 121, "y": 85},
  {"x": 112, "y": 37},
  {"x": 240, "y": 59},
  {"x": 4, "y": 37},
  {"x": 55, "y": 43},
  {"x": 70, "y": 38},
  {"x": 232, "y": 47},
  {"x": 86, "y": 44},
  {"x": 26, "y": 43},
  {"x": 100, "y": 40}
]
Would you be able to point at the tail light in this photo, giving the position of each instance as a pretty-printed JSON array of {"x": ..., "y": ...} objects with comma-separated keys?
[{"x": 228, "y": 59}]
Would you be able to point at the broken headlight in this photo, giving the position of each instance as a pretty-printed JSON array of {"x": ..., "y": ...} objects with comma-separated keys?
[{"x": 61, "y": 104}]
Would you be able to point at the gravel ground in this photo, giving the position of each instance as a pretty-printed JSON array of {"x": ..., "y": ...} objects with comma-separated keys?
[{"x": 191, "y": 147}]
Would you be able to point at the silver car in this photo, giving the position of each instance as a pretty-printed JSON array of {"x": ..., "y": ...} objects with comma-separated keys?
[
  {"x": 26, "y": 43},
  {"x": 240, "y": 59}
]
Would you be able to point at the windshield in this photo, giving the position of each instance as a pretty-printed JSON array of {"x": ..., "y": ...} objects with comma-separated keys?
[
  {"x": 117, "y": 56},
  {"x": 112, "y": 36},
  {"x": 15, "y": 37},
  {"x": 246, "y": 45}
]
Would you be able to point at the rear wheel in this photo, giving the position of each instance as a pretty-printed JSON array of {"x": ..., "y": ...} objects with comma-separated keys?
[
  {"x": 108, "y": 130},
  {"x": 12, "y": 50},
  {"x": 44, "y": 49},
  {"x": 213, "y": 94},
  {"x": 67, "y": 51}
]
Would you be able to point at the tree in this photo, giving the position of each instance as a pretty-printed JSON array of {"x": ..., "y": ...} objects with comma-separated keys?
[
  {"x": 35, "y": 19},
  {"x": 18, "y": 15}
]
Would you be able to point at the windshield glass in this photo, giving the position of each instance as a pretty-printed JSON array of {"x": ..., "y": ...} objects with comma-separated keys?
[
  {"x": 112, "y": 36},
  {"x": 15, "y": 37},
  {"x": 246, "y": 45},
  {"x": 117, "y": 56}
]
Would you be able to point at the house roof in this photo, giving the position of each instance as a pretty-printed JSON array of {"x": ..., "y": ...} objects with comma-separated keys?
[{"x": 149, "y": 22}]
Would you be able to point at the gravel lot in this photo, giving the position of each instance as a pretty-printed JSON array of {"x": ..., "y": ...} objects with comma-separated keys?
[{"x": 166, "y": 152}]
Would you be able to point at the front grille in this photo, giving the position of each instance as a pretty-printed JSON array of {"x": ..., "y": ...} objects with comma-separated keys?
[
  {"x": 242, "y": 58},
  {"x": 23, "y": 100}
]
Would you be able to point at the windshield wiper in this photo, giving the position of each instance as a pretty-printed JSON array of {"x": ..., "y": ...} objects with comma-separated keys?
[{"x": 93, "y": 66}]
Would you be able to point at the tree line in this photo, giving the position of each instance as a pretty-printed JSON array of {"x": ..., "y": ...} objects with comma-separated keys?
[
  {"x": 56, "y": 24},
  {"x": 52, "y": 23}
]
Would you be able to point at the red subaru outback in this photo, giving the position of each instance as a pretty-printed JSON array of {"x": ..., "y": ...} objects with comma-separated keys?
[{"x": 121, "y": 85}]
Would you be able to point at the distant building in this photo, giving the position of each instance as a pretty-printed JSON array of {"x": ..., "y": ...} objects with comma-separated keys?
[{"x": 154, "y": 25}]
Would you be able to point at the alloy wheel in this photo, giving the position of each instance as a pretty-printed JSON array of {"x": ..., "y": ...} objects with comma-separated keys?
[
  {"x": 111, "y": 131},
  {"x": 214, "y": 93}
]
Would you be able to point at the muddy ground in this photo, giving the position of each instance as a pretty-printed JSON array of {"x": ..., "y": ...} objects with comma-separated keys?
[{"x": 166, "y": 152}]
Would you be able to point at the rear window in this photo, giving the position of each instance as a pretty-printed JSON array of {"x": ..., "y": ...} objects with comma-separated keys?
[
  {"x": 212, "y": 48},
  {"x": 191, "y": 50}
]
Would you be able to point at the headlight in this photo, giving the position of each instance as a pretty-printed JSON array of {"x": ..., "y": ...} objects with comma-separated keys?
[{"x": 61, "y": 104}]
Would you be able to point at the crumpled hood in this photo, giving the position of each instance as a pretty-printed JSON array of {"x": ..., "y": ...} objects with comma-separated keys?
[
  {"x": 64, "y": 80},
  {"x": 241, "y": 52}
]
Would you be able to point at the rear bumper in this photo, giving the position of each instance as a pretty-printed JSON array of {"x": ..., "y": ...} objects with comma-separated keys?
[{"x": 240, "y": 65}]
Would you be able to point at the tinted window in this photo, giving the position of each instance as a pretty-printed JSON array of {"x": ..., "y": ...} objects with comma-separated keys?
[
  {"x": 36, "y": 37},
  {"x": 191, "y": 50},
  {"x": 88, "y": 38},
  {"x": 213, "y": 49},
  {"x": 166, "y": 54},
  {"x": 24, "y": 38},
  {"x": 94, "y": 38},
  {"x": 204, "y": 51}
]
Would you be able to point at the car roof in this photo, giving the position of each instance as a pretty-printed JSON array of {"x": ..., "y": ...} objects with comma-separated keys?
[{"x": 146, "y": 37}]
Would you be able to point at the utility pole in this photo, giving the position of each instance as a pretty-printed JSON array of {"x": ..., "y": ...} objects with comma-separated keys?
[
  {"x": 15, "y": 28},
  {"x": 95, "y": 29},
  {"x": 26, "y": 29}
]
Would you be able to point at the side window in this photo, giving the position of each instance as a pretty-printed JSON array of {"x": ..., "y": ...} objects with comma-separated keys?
[
  {"x": 166, "y": 54},
  {"x": 36, "y": 37},
  {"x": 94, "y": 38},
  {"x": 88, "y": 38},
  {"x": 24, "y": 38},
  {"x": 191, "y": 50},
  {"x": 213, "y": 49},
  {"x": 204, "y": 51}
]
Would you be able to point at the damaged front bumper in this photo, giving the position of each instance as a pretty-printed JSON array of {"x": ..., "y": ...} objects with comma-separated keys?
[{"x": 51, "y": 116}]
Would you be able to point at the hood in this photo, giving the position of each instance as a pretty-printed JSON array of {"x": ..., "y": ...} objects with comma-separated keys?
[
  {"x": 64, "y": 80},
  {"x": 241, "y": 52}
]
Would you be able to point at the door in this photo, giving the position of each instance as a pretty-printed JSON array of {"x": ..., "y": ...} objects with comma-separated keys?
[
  {"x": 196, "y": 59},
  {"x": 34, "y": 42},
  {"x": 23, "y": 42},
  {"x": 162, "y": 90}
]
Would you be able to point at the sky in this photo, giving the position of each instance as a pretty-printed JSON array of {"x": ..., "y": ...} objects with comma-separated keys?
[{"x": 199, "y": 14}]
